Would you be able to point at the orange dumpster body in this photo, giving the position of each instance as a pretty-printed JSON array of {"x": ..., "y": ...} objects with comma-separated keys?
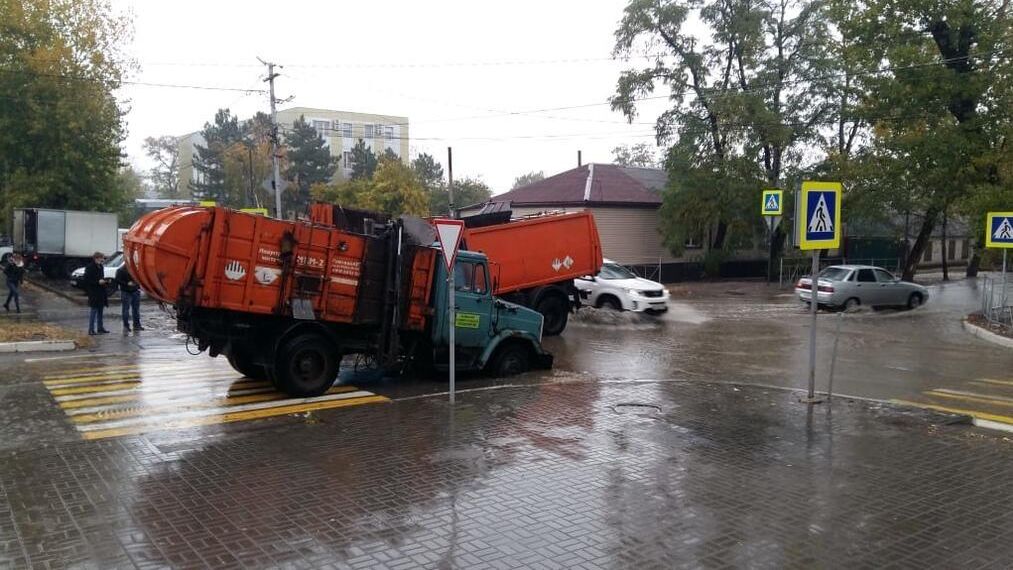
[
  {"x": 217, "y": 258},
  {"x": 540, "y": 250}
]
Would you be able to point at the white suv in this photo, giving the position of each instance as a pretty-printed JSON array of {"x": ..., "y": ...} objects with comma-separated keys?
[{"x": 616, "y": 287}]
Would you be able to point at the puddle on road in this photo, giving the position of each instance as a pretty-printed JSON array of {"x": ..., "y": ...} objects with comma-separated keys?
[{"x": 677, "y": 313}]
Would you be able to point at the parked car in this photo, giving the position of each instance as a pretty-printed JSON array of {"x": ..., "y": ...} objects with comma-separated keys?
[
  {"x": 618, "y": 288},
  {"x": 112, "y": 264},
  {"x": 850, "y": 286}
]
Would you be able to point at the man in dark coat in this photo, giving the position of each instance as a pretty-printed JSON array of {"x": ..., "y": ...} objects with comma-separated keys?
[
  {"x": 98, "y": 297},
  {"x": 130, "y": 297},
  {"x": 14, "y": 273}
]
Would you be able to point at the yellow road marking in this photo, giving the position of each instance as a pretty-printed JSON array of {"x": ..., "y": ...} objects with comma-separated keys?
[
  {"x": 259, "y": 387},
  {"x": 973, "y": 413},
  {"x": 980, "y": 399},
  {"x": 998, "y": 382},
  {"x": 155, "y": 390},
  {"x": 114, "y": 414},
  {"x": 230, "y": 417},
  {"x": 90, "y": 389},
  {"x": 148, "y": 377},
  {"x": 123, "y": 369}
]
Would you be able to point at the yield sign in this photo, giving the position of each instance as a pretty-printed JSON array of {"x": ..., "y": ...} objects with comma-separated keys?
[{"x": 449, "y": 233}]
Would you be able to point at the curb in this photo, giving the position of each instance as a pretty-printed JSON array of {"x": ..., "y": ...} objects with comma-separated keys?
[
  {"x": 37, "y": 346},
  {"x": 987, "y": 335},
  {"x": 77, "y": 299}
]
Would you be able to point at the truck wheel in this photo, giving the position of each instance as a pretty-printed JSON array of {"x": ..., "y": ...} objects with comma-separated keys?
[
  {"x": 510, "y": 360},
  {"x": 243, "y": 364},
  {"x": 556, "y": 313},
  {"x": 307, "y": 366}
]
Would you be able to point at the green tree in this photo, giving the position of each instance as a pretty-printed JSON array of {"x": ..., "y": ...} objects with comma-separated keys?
[
  {"x": 209, "y": 159},
  {"x": 60, "y": 126},
  {"x": 467, "y": 191},
  {"x": 128, "y": 186},
  {"x": 164, "y": 176},
  {"x": 525, "y": 179},
  {"x": 364, "y": 161},
  {"x": 394, "y": 189},
  {"x": 429, "y": 172},
  {"x": 940, "y": 113},
  {"x": 640, "y": 154},
  {"x": 744, "y": 102},
  {"x": 309, "y": 162}
]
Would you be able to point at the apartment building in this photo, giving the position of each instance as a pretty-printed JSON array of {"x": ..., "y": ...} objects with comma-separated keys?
[{"x": 341, "y": 130}]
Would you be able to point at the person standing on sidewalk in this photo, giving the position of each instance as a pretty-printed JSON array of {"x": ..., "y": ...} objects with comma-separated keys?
[
  {"x": 130, "y": 297},
  {"x": 15, "y": 274},
  {"x": 98, "y": 297}
]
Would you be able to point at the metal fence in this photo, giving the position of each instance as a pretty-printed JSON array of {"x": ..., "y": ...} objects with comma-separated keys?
[
  {"x": 790, "y": 269},
  {"x": 995, "y": 301}
]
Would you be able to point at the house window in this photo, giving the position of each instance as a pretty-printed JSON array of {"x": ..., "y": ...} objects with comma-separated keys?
[
  {"x": 369, "y": 131},
  {"x": 343, "y": 129},
  {"x": 928, "y": 251},
  {"x": 388, "y": 133},
  {"x": 347, "y": 157},
  {"x": 963, "y": 249},
  {"x": 322, "y": 127},
  {"x": 377, "y": 131},
  {"x": 951, "y": 250}
]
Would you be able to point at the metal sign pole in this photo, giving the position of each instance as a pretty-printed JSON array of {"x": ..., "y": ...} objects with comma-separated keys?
[
  {"x": 1003, "y": 297},
  {"x": 453, "y": 325},
  {"x": 814, "y": 301}
]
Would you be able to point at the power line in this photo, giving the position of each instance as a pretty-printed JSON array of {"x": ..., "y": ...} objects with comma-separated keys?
[{"x": 128, "y": 82}]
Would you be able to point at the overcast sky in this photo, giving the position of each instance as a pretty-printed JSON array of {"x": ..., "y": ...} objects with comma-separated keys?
[{"x": 455, "y": 68}]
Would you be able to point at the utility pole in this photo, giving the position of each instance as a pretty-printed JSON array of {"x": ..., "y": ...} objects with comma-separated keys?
[
  {"x": 450, "y": 177},
  {"x": 276, "y": 176},
  {"x": 579, "y": 161}
]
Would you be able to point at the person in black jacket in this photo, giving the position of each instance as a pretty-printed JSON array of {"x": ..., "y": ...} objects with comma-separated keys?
[
  {"x": 98, "y": 297},
  {"x": 15, "y": 274},
  {"x": 130, "y": 297}
]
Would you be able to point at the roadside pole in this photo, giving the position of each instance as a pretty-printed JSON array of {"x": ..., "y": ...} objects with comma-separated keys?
[
  {"x": 999, "y": 234},
  {"x": 819, "y": 227},
  {"x": 449, "y": 233},
  {"x": 771, "y": 208},
  {"x": 813, "y": 306},
  {"x": 451, "y": 310},
  {"x": 275, "y": 170}
]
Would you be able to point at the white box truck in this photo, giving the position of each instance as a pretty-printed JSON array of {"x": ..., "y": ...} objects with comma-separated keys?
[{"x": 60, "y": 241}]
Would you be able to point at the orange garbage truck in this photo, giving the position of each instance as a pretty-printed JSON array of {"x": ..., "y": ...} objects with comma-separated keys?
[
  {"x": 286, "y": 300},
  {"x": 535, "y": 259}
]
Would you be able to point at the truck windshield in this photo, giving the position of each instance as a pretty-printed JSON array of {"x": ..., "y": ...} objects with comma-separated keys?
[
  {"x": 469, "y": 277},
  {"x": 615, "y": 271}
]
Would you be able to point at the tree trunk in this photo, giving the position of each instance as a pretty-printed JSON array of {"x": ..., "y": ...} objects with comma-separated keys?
[
  {"x": 719, "y": 236},
  {"x": 776, "y": 247},
  {"x": 946, "y": 265},
  {"x": 973, "y": 264},
  {"x": 915, "y": 256}
]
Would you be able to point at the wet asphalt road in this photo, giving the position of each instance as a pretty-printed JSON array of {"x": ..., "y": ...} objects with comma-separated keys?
[{"x": 728, "y": 332}]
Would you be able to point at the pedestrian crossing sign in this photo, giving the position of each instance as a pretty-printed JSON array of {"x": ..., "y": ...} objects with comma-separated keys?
[
  {"x": 999, "y": 229},
  {"x": 820, "y": 223},
  {"x": 772, "y": 205}
]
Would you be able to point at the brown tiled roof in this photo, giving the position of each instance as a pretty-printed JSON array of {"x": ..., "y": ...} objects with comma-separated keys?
[{"x": 610, "y": 184}]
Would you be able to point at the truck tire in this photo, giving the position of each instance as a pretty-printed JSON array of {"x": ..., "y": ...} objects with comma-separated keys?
[
  {"x": 556, "y": 312},
  {"x": 242, "y": 363},
  {"x": 511, "y": 359},
  {"x": 306, "y": 366}
]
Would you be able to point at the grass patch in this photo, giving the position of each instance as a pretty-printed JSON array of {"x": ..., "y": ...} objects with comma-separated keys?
[{"x": 17, "y": 332}]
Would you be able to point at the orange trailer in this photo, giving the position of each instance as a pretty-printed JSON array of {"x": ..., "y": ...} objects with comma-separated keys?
[{"x": 535, "y": 260}]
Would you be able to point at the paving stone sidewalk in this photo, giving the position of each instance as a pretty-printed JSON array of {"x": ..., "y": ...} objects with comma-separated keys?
[{"x": 578, "y": 475}]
